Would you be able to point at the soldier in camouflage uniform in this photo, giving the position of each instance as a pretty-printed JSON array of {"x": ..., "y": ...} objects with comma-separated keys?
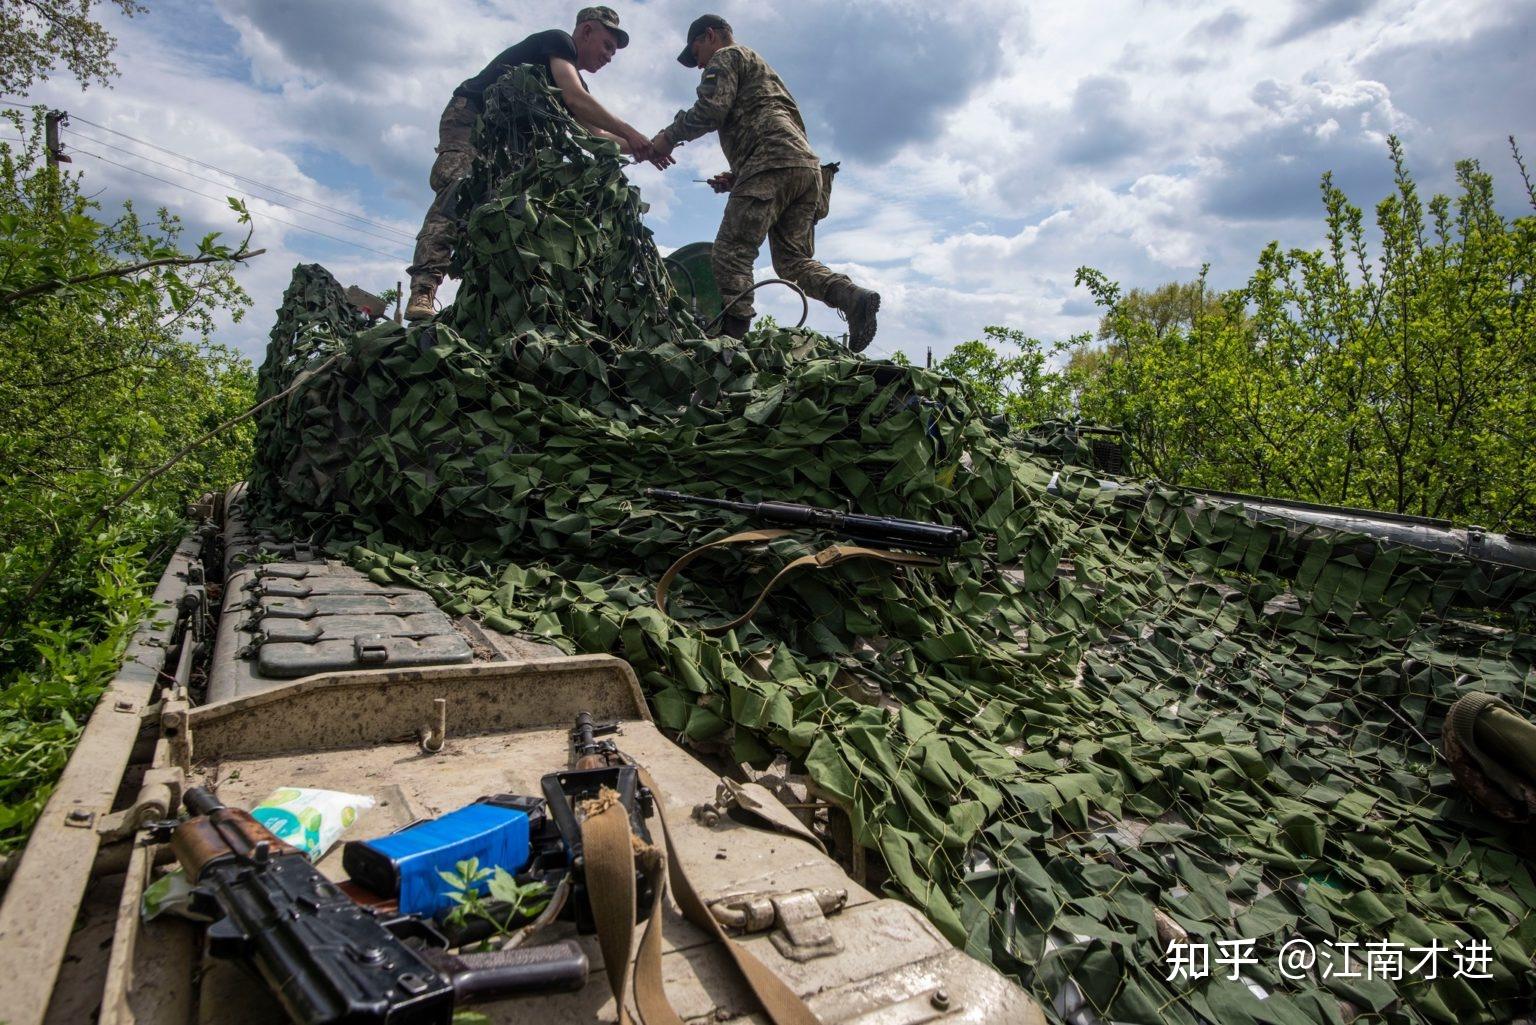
[
  {"x": 775, "y": 180},
  {"x": 591, "y": 46}
]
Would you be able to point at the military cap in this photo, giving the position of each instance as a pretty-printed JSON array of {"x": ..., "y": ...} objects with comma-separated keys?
[
  {"x": 702, "y": 24},
  {"x": 606, "y": 17}
]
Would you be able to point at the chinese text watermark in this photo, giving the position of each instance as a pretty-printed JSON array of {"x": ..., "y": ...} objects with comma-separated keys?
[{"x": 1300, "y": 958}]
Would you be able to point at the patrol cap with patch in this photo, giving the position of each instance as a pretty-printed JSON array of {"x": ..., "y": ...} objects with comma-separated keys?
[
  {"x": 702, "y": 24},
  {"x": 606, "y": 17}
]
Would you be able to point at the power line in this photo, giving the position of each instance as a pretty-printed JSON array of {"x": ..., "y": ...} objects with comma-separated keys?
[
  {"x": 221, "y": 199},
  {"x": 400, "y": 236},
  {"x": 239, "y": 177},
  {"x": 233, "y": 174}
]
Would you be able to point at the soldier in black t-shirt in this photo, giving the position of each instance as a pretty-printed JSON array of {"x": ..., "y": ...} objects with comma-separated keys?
[{"x": 596, "y": 38}]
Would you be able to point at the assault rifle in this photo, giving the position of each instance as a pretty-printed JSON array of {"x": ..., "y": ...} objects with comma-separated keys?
[
  {"x": 876, "y": 531},
  {"x": 326, "y": 959},
  {"x": 555, "y": 847},
  {"x": 596, "y": 765}
]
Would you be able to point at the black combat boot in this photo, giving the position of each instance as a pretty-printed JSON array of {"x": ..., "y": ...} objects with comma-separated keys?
[
  {"x": 734, "y": 326},
  {"x": 859, "y": 305}
]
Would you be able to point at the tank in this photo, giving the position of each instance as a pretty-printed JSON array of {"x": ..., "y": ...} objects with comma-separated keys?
[{"x": 1130, "y": 753}]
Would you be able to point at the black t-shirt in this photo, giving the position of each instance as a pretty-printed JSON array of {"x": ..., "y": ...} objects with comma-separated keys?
[{"x": 536, "y": 49}]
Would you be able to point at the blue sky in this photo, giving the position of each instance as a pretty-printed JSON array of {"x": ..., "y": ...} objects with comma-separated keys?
[{"x": 989, "y": 148}]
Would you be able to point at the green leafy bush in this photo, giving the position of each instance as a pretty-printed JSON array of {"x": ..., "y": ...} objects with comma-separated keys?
[
  {"x": 1392, "y": 370},
  {"x": 106, "y": 370},
  {"x": 1403, "y": 380}
]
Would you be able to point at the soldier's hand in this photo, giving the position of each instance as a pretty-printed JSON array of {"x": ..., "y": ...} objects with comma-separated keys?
[
  {"x": 662, "y": 145},
  {"x": 639, "y": 145},
  {"x": 661, "y": 162},
  {"x": 723, "y": 182}
]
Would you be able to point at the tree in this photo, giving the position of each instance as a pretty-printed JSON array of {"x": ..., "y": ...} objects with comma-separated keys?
[
  {"x": 1412, "y": 378},
  {"x": 35, "y": 35},
  {"x": 1177, "y": 306},
  {"x": 1011, "y": 373},
  {"x": 1162, "y": 374},
  {"x": 1404, "y": 382},
  {"x": 108, "y": 368}
]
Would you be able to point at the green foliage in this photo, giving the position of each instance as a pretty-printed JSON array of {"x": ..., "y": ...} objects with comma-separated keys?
[
  {"x": 59, "y": 667},
  {"x": 1011, "y": 374},
  {"x": 1165, "y": 309},
  {"x": 1404, "y": 382},
  {"x": 1160, "y": 385},
  {"x": 35, "y": 35},
  {"x": 509, "y": 903},
  {"x": 106, "y": 371}
]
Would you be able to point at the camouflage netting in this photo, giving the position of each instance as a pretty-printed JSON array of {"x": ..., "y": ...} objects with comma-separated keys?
[{"x": 1116, "y": 718}]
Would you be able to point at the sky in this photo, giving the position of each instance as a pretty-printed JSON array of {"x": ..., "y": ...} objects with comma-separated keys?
[{"x": 988, "y": 148}]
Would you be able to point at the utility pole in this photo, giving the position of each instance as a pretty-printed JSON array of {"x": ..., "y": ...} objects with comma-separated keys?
[
  {"x": 52, "y": 121},
  {"x": 930, "y": 357}
]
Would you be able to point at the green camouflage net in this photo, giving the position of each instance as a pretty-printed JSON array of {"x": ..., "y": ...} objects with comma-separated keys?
[{"x": 1119, "y": 720}]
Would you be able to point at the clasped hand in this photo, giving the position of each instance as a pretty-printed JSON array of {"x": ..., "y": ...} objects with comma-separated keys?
[
  {"x": 642, "y": 148},
  {"x": 661, "y": 147}
]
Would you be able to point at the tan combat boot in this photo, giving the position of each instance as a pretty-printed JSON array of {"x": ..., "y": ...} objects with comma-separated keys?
[
  {"x": 423, "y": 304},
  {"x": 859, "y": 305}
]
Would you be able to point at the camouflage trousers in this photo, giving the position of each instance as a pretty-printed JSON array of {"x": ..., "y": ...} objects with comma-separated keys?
[
  {"x": 779, "y": 205},
  {"x": 434, "y": 242}
]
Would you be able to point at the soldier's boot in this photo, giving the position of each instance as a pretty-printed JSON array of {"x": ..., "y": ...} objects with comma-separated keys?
[
  {"x": 859, "y": 305},
  {"x": 423, "y": 304},
  {"x": 734, "y": 326}
]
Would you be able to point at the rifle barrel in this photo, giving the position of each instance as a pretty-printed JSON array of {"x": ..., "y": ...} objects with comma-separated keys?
[
  {"x": 931, "y": 538},
  {"x": 678, "y": 498},
  {"x": 585, "y": 753},
  {"x": 201, "y": 802}
]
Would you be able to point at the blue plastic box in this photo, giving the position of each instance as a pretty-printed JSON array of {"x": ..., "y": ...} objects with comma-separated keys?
[{"x": 406, "y": 864}]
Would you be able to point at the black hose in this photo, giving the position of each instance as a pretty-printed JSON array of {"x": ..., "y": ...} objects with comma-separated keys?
[
  {"x": 805, "y": 304},
  {"x": 693, "y": 286}
]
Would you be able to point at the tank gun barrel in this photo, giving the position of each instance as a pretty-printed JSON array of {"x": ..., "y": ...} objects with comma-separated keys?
[{"x": 1430, "y": 535}]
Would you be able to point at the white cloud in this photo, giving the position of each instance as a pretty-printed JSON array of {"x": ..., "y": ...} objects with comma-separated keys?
[{"x": 984, "y": 260}]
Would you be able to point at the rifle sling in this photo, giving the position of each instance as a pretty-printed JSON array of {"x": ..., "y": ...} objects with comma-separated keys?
[
  {"x": 612, "y": 857},
  {"x": 828, "y": 557},
  {"x": 607, "y": 849}
]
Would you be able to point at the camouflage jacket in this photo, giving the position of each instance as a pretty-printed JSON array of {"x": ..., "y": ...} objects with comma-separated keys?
[{"x": 759, "y": 124}]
